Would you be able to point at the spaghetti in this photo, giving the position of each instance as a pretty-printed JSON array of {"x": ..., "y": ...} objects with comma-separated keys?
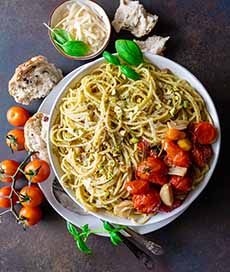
[{"x": 101, "y": 119}]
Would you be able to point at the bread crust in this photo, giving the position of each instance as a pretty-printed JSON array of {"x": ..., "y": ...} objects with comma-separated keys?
[
  {"x": 34, "y": 135},
  {"x": 28, "y": 82}
]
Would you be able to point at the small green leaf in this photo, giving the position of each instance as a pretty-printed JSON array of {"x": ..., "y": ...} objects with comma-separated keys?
[
  {"x": 107, "y": 226},
  {"x": 75, "y": 48},
  {"x": 111, "y": 58},
  {"x": 115, "y": 238},
  {"x": 82, "y": 246},
  {"x": 77, "y": 237},
  {"x": 129, "y": 72},
  {"x": 72, "y": 230},
  {"x": 85, "y": 231},
  {"x": 60, "y": 35},
  {"x": 129, "y": 51}
]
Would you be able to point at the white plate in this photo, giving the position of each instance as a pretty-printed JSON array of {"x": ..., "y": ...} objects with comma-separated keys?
[
  {"x": 181, "y": 72},
  {"x": 46, "y": 187}
]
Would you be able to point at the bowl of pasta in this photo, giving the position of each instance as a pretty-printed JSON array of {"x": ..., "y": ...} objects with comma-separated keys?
[{"x": 134, "y": 152}]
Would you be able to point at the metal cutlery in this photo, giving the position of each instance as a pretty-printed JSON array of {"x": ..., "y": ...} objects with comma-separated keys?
[{"x": 143, "y": 248}]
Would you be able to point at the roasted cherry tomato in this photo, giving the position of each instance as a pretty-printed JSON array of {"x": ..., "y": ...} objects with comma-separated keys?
[
  {"x": 201, "y": 154},
  {"x": 175, "y": 134},
  {"x": 161, "y": 180},
  {"x": 137, "y": 186},
  {"x": 150, "y": 168},
  {"x": 17, "y": 116},
  {"x": 5, "y": 202},
  {"x": 175, "y": 155},
  {"x": 31, "y": 196},
  {"x": 8, "y": 168},
  {"x": 165, "y": 208},
  {"x": 147, "y": 203},
  {"x": 143, "y": 145},
  {"x": 203, "y": 133},
  {"x": 37, "y": 171},
  {"x": 15, "y": 139},
  {"x": 182, "y": 184},
  {"x": 30, "y": 215}
]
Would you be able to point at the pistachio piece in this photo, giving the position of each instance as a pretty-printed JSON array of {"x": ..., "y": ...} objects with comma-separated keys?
[{"x": 166, "y": 194}]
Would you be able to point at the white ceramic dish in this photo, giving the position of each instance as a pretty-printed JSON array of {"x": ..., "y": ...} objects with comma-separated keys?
[
  {"x": 180, "y": 71},
  {"x": 57, "y": 15},
  {"x": 46, "y": 187}
]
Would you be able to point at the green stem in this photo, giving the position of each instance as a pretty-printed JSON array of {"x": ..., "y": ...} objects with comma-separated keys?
[{"x": 13, "y": 184}]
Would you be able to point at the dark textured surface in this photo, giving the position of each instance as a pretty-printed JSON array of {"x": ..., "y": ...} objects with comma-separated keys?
[{"x": 197, "y": 241}]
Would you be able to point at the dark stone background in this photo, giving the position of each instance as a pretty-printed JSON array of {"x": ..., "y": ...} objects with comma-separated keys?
[{"x": 197, "y": 241}]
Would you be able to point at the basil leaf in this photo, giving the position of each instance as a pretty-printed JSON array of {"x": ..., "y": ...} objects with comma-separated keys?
[
  {"x": 111, "y": 58},
  {"x": 82, "y": 246},
  {"x": 85, "y": 231},
  {"x": 76, "y": 235},
  {"x": 115, "y": 238},
  {"x": 107, "y": 226},
  {"x": 72, "y": 230},
  {"x": 129, "y": 51},
  {"x": 129, "y": 72},
  {"x": 60, "y": 35},
  {"x": 75, "y": 48}
]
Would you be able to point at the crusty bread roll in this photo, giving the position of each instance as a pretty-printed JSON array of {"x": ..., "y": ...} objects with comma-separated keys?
[
  {"x": 33, "y": 79},
  {"x": 35, "y": 131}
]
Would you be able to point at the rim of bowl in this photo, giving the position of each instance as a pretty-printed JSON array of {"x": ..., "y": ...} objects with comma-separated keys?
[
  {"x": 193, "y": 194},
  {"x": 86, "y": 57}
]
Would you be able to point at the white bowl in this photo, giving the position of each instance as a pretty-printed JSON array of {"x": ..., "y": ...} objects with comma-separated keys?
[
  {"x": 57, "y": 15},
  {"x": 181, "y": 72}
]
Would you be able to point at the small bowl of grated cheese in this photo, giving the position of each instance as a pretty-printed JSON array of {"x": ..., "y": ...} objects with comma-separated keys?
[{"x": 79, "y": 29}]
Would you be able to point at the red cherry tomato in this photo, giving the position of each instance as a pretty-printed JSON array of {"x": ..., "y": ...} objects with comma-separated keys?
[
  {"x": 203, "y": 133},
  {"x": 161, "y": 180},
  {"x": 5, "y": 202},
  {"x": 31, "y": 196},
  {"x": 37, "y": 171},
  {"x": 30, "y": 215},
  {"x": 17, "y": 116},
  {"x": 201, "y": 154},
  {"x": 8, "y": 168},
  {"x": 138, "y": 186},
  {"x": 15, "y": 139},
  {"x": 182, "y": 184},
  {"x": 150, "y": 168},
  {"x": 147, "y": 203},
  {"x": 143, "y": 146},
  {"x": 175, "y": 155}
]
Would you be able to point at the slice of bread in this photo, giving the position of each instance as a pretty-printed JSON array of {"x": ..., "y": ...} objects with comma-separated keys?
[
  {"x": 33, "y": 79},
  {"x": 35, "y": 131}
]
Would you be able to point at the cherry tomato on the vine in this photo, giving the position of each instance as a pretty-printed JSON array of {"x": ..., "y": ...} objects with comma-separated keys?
[
  {"x": 31, "y": 196},
  {"x": 5, "y": 192},
  {"x": 8, "y": 168},
  {"x": 17, "y": 116},
  {"x": 37, "y": 171},
  {"x": 30, "y": 215}
]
